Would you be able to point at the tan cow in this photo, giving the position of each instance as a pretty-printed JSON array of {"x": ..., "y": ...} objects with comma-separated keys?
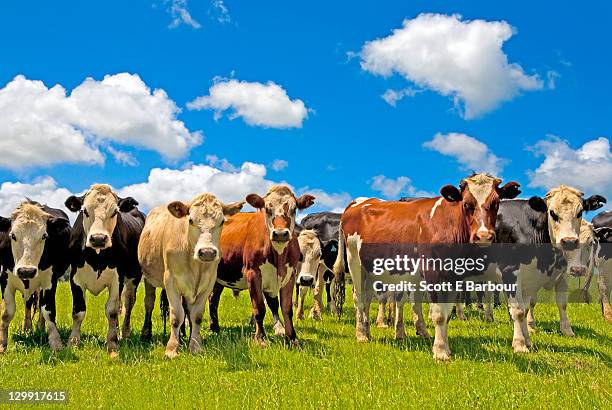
[{"x": 179, "y": 251}]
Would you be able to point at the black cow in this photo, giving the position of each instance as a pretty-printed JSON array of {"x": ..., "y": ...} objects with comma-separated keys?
[
  {"x": 104, "y": 255},
  {"x": 34, "y": 255},
  {"x": 602, "y": 225}
]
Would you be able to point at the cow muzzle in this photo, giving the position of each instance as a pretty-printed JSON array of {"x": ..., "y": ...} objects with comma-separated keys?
[
  {"x": 483, "y": 236},
  {"x": 98, "y": 240},
  {"x": 305, "y": 279},
  {"x": 207, "y": 254},
  {"x": 280, "y": 235},
  {"x": 26, "y": 272}
]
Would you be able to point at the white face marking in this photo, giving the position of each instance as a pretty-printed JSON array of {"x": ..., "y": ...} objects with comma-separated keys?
[
  {"x": 480, "y": 191},
  {"x": 100, "y": 208},
  {"x": 205, "y": 223},
  {"x": 28, "y": 235},
  {"x": 359, "y": 200},
  {"x": 310, "y": 247},
  {"x": 433, "y": 208}
]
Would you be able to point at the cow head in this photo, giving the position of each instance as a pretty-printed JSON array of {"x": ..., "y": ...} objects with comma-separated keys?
[
  {"x": 28, "y": 229},
  {"x": 603, "y": 235},
  {"x": 479, "y": 195},
  {"x": 564, "y": 207},
  {"x": 205, "y": 217},
  {"x": 310, "y": 247},
  {"x": 279, "y": 206},
  {"x": 100, "y": 207}
]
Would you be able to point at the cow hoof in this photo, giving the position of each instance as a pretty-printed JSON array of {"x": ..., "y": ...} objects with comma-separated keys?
[
  {"x": 279, "y": 329},
  {"x": 146, "y": 336},
  {"x": 488, "y": 317},
  {"x": 315, "y": 315},
  {"x": 381, "y": 325},
  {"x": 567, "y": 332},
  {"x": 170, "y": 354},
  {"x": 400, "y": 336},
  {"x": 56, "y": 346},
  {"x": 195, "y": 347},
  {"x": 520, "y": 348},
  {"x": 27, "y": 326},
  {"x": 461, "y": 316},
  {"x": 2, "y": 349},
  {"x": 215, "y": 328},
  {"x": 261, "y": 342},
  {"x": 531, "y": 329},
  {"x": 441, "y": 355},
  {"x": 300, "y": 316},
  {"x": 609, "y": 318},
  {"x": 74, "y": 341},
  {"x": 423, "y": 333},
  {"x": 126, "y": 333},
  {"x": 361, "y": 338},
  {"x": 113, "y": 354}
]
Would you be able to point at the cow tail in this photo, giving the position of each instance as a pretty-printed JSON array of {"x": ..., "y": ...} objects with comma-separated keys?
[
  {"x": 164, "y": 306},
  {"x": 338, "y": 291}
]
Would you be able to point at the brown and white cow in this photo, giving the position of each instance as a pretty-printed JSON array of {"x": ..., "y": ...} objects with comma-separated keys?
[
  {"x": 461, "y": 215},
  {"x": 179, "y": 251},
  {"x": 261, "y": 253}
]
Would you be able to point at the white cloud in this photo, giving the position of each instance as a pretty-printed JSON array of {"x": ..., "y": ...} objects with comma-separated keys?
[
  {"x": 588, "y": 168},
  {"x": 122, "y": 157},
  {"x": 43, "y": 190},
  {"x": 42, "y": 126},
  {"x": 279, "y": 164},
  {"x": 460, "y": 59},
  {"x": 391, "y": 96},
  {"x": 221, "y": 163},
  {"x": 470, "y": 153},
  {"x": 392, "y": 188},
  {"x": 181, "y": 15},
  {"x": 333, "y": 202},
  {"x": 220, "y": 11},
  {"x": 265, "y": 105}
]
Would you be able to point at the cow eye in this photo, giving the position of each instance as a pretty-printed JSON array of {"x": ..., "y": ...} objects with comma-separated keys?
[
  {"x": 190, "y": 221},
  {"x": 468, "y": 206},
  {"x": 86, "y": 213},
  {"x": 13, "y": 237},
  {"x": 579, "y": 214},
  {"x": 554, "y": 216},
  {"x": 115, "y": 213},
  {"x": 45, "y": 236}
]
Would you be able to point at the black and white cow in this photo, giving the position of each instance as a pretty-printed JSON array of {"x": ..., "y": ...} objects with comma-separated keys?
[
  {"x": 602, "y": 226},
  {"x": 104, "y": 255},
  {"x": 34, "y": 252},
  {"x": 544, "y": 234}
]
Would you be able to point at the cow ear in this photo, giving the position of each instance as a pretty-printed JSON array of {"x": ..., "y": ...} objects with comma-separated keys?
[
  {"x": 233, "y": 208},
  {"x": 55, "y": 225},
  {"x": 5, "y": 224},
  {"x": 127, "y": 204},
  {"x": 593, "y": 202},
  {"x": 451, "y": 193},
  {"x": 603, "y": 234},
  {"x": 74, "y": 203},
  {"x": 255, "y": 201},
  {"x": 537, "y": 204},
  {"x": 509, "y": 191},
  {"x": 178, "y": 209},
  {"x": 305, "y": 201}
]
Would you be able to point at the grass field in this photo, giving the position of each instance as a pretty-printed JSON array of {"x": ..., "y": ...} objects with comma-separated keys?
[{"x": 330, "y": 369}]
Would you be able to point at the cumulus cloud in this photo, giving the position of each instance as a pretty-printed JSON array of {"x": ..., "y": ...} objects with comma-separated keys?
[
  {"x": 333, "y": 202},
  {"x": 42, "y": 126},
  {"x": 588, "y": 168},
  {"x": 181, "y": 15},
  {"x": 220, "y": 11},
  {"x": 44, "y": 190},
  {"x": 264, "y": 105},
  {"x": 122, "y": 157},
  {"x": 279, "y": 164},
  {"x": 391, "y": 96},
  {"x": 457, "y": 58},
  {"x": 470, "y": 153},
  {"x": 392, "y": 188}
]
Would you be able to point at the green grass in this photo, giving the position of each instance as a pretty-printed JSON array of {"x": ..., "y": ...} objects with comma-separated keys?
[{"x": 330, "y": 369}]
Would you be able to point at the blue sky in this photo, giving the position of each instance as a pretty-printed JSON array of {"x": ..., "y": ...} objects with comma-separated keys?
[{"x": 313, "y": 51}]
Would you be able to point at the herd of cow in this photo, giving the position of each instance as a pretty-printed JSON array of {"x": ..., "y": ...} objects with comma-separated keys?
[{"x": 193, "y": 250}]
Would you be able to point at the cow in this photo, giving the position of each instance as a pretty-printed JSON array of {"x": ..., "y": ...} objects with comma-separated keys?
[
  {"x": 179, "y": 251},
  {"x": 602, "y": 229},
  {"x": 104, "y": 255},
  {"x": 546, "y": 237},
  {"x": 37, "y": 257},
  {"x": 261, "y": 254},
  {"x": 460, "y": 215}
]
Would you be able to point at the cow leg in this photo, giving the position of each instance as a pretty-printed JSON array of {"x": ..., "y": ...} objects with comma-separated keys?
[
  {"x": 112, "y": 315},
  {"x": 40, "y": 325},
  {"x": 279, "y": 328},
  {"x": 488, "y": 315},
  {"x": 331, "y": 303},
  {"x": 129, "y": 298},
  {"x": 381, "y": 315},
  {"x": 459, "y": 308},
  {"x": 188, "y": 319},
  {"x": 360, "y": 297},
  {"x": 149, "y": 302},
  {"x": 196, "y": 311},
  {"x": 78, "y": 313},
  {"x": 317, "y": 296},
  {"x": 479, "y": 296},
  {"x": 400, "y": 331},
  {"x": 297, "y": 295},
  {"x": 561, "y": 298},
  {"x": 362, "y": 308},
  {"x": 530, "y": 316},
  {"x": 299, "y": 314},
  {"x": 257, "y": 302},
  {"x": 392, "y": 306},
  {"x": 440, "y": 314},
  {"x": 8, "y": 312},
  {"x": 27, "y": 314},
  {"x": 213, "y": 307},
  {"x": 286, "y": 294},
  {"x": 517, "y": 313},
  {"x": 604, "y": 286},
  {"x": 177, "y": 317},
  {"x": 47, "y": 309},
  {"x": 417, "y": 315},
  {"x": 496, "y": 300}
]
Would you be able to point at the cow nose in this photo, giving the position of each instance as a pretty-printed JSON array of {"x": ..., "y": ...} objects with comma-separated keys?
[
  {"x": 280, "y": 235},
  {"x": 207, "y": 254},
  {"x": 569, "y": 244},
  {"x": 98, "y": 240},
  {"x": 485, "y": 236},
  {"x": 306, "y": 280},
  {"x": 26, "y": 273},
  {"x": 577, "y": 270}
]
